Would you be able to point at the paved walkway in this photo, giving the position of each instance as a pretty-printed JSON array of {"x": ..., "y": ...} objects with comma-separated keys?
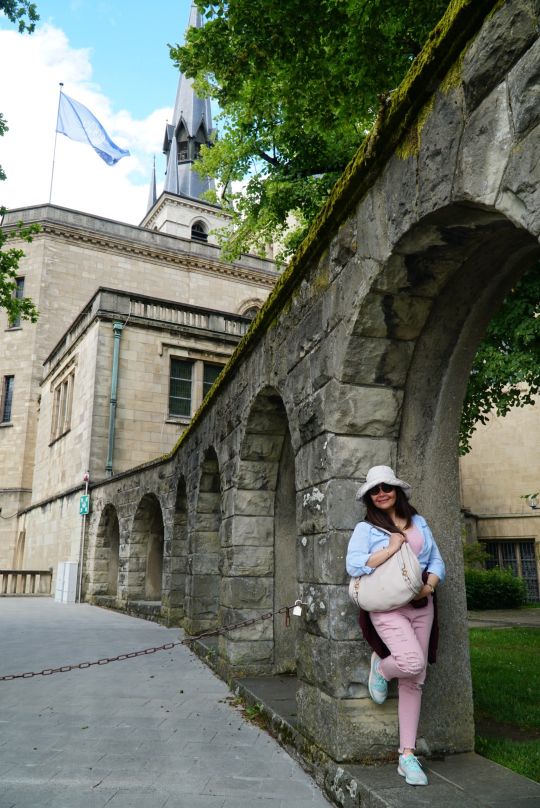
[
  {"x": 149, "y": 732},
  {"x": 503, "y": 618}
]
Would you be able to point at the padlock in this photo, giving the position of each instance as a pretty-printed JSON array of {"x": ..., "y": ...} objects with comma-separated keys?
[{"x": 297, "y": 608}]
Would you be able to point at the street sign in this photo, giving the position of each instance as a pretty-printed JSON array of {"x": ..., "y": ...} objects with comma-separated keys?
[{"x": 84, "y": 504}]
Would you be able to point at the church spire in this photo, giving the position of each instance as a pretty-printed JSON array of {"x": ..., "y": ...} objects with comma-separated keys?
[{"x": 191, "y": 127}]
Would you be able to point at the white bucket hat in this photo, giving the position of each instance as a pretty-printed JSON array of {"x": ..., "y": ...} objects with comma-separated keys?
[{"x": 382, "y": 474}]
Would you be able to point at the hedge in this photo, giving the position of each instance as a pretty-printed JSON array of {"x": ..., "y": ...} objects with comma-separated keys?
[{"x": 494, "y": 589}]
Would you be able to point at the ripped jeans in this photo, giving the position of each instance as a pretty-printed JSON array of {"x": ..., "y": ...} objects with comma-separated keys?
[{"x": 405, "y": 632}]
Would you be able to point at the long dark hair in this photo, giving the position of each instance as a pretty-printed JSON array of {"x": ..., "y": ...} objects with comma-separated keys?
[{"x": 379, "y": 518}]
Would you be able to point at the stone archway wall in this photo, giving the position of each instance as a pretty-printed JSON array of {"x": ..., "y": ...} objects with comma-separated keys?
[
  {"x": 106, "y": 553},
  {"x": 202, "y": 595},
  {"x": 175, "y": 559},
  {"x": 368, "y": 338},
  {"x": 145, "y": 556},
  {"x": 259, "y": 559}
]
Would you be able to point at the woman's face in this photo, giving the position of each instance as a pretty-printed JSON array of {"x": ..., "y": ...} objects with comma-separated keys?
[{"x": 382, "y": 500}]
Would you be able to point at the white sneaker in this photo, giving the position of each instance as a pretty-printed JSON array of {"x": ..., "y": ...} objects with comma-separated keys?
[
  {"x": 409, "y": 767},
  {"x": 377, "y": 684}
]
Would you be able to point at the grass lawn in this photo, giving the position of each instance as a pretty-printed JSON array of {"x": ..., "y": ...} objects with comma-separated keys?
[{"x": 506, "y": 687}]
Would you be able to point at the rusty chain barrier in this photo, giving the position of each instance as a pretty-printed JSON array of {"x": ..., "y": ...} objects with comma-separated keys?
[{"x": 285, "y": 610}]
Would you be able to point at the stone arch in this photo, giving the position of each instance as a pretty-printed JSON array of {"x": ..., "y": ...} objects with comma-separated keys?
[
  {"x": 176, "y": 559},
  {"x": 259, "y": 569},
  {"x": 107, "y": 553},
  {"x": 203, "y": 561},
  {"x": 250, "y": 308},
  {"x": 146, "y": 545},
  {"x": 404, "y": 375}
]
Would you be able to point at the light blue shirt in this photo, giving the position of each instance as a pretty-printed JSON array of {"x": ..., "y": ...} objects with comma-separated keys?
[{"x": 367, "y": 539}]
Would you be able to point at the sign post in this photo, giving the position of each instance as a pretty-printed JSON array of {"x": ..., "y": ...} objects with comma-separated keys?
[{"x": 84, "y": 510}]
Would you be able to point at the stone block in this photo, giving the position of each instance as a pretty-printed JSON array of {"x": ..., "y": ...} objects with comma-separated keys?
[
  {"x": 245, "y": 655},
  {"x": 354, "y": 729},
  {"x": 208, "y": 503},
  {"x": 242, "y": 593},
  {"x": 204, "y": 563},
  {"x": 524, "y": 91},
  {"x": 372, "y": 227},
  {"x": 329, "y": 456},
  {"x": 329, "y": 612},
  {"x": 400, "y": 191},
  {"x": 484, "y": 149},
  {"x": 439, "y": 144},
  {"x": 257, "y": 474},
  {"x": 204, "y": 541},
  {"x": 262, "y": 447},
  {"x": 341, "y": 669},
  {"x": 376, "y": 361},
  {"x": 331, "y": 505},
  {"x": 370, "y": 411},
  {"x": 246, "y": 560},
  {"x": 263, "y": 630},
  {"x": 256, "y": 531},
  {"x": 504, "y": 36},
  {"x": 254, "y": 503},
  {"x": 519, "y": 196}
]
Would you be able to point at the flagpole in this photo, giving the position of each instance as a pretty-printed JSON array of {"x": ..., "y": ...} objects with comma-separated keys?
[{"x": 61, "y": 83}]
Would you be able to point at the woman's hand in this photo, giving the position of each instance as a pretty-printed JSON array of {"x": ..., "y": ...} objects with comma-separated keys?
[
  {"x": 424, "y": 592},
  {"x": 396, "y": 540}
]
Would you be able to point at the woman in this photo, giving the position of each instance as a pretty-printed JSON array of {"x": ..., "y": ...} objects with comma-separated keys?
[{"x": 405, "y": 632}]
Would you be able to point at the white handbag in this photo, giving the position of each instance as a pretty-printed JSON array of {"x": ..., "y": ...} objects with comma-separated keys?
[{"x": 389, "y": 586}]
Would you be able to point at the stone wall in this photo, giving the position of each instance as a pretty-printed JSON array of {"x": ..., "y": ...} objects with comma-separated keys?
[{"x": 359, "y": 357}]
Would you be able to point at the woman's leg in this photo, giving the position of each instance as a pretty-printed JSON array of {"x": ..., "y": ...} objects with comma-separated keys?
[{"x": 406, "y": 633}]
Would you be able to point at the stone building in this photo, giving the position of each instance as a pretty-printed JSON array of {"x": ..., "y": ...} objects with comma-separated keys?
[
  {"x": 176, "y": 308},
  {"x": 502, "y": 469}
]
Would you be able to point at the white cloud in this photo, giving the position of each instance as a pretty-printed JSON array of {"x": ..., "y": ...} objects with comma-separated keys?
[{"x": 32, "y": 67}]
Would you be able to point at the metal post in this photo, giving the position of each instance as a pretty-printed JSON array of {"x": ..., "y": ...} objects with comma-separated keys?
[
  {"x": 86, "y": 479},
  {"x": 55, "y": 139},
  {"x": 117, "y": 329}
]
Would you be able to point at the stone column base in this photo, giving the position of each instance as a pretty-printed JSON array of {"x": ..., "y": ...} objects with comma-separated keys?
[{"x": 348, "y": 729}]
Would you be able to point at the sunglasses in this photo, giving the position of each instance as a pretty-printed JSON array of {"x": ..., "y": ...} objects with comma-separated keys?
[{"x": 384, "y": 487}]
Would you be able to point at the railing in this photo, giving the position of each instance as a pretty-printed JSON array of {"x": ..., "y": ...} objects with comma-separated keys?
[{"x": 25, "y": 582}]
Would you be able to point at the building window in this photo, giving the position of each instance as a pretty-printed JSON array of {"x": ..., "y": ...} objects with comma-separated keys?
[
  {"x": 62, "y": 403},
  {"x": 252, "y": 312},
  {"x": 7, "y": 398},
  {"x": 183, "y": 152},
  {"x": 210, "y": 374},
  {"x": 18, "y": 294},
  {"x": 180, "y": 387},
  {"x": 519, "y": 557},
  {"x": 198, "y": 232}
]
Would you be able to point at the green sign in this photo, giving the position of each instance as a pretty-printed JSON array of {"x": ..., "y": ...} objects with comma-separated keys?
[{"x": 84, "y": 504}]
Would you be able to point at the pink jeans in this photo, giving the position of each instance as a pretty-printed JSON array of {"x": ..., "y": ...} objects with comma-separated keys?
[{"x": 406, "y": 633}]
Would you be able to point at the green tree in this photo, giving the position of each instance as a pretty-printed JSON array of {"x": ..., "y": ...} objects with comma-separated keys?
[
  {"x": 299, "y": 83},
  {"x": 23, "y": 14},
  {"x": 506, "y": 368}
]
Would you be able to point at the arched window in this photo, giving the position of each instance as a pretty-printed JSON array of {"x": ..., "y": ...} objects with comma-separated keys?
[
  {"x": 198, "y": 232},
  {"x": 252, "y": 312}
]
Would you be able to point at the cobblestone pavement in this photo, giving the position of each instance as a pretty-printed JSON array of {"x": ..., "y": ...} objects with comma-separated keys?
[{"x": 149, "y": 732}]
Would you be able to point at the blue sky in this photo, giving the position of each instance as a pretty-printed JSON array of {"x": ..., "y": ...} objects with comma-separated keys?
[
  {"x": 113, "y": 58},
  {"x": 128, "y": 42}
]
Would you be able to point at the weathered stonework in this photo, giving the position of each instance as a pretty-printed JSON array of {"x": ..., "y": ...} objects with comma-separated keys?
[{"x": 360, "y": 356}]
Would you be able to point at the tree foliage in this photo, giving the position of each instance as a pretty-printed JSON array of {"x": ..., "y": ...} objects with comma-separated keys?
[
  {"x": 506, "y": 368},
  {"x": 24, "y": 15},
  {"x": 298, "y": 83}
]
